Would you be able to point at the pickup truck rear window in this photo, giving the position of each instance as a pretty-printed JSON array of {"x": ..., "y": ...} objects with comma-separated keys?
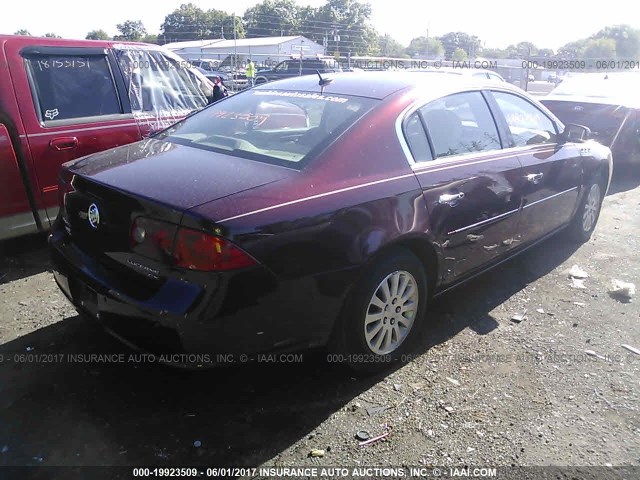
[{"x": 71, "y": 86}]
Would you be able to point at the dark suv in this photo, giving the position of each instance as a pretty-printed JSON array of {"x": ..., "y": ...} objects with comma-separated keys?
[{"x": 294, "y": 67}]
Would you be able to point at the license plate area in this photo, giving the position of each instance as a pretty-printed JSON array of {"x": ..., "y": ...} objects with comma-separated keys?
[{"x": 85, "y": 297}]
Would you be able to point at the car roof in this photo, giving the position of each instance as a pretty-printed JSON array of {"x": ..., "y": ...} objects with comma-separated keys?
[
  {"x": 381, "y": 84},
  {"x": 609, "y": 88},
  {"x": 25, "y": 40},
  {"x": 454, "y": 71}
]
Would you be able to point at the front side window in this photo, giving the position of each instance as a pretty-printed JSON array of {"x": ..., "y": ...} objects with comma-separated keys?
[
  {"x": 282, "y": 67},
  {"x": 527, "y": 124},
  {"x": 275, "y": 126},
  {"x": 460, "y": 123},
  {"x": 72, "y": 86}
]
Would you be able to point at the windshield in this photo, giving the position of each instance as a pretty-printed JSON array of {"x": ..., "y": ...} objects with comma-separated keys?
[{"x": 276, "y": 126}]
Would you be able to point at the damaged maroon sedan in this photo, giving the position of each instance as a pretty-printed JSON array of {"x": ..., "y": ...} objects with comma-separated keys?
[{"x": 306, "y": 213}]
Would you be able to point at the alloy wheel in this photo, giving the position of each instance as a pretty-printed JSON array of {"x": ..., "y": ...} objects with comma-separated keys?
[
  {"x": 391, "y": 312},
  {"x": 591, "y": 208}
]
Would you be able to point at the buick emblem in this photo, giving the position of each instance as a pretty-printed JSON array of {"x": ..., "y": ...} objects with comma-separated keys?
[{"x": 93, "y": 214}]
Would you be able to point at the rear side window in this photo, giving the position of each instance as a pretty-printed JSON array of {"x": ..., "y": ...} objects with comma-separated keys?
[
  {"x": 527, "y": 124},
  {"x": 417, "y": 138},
  {"x": 460, "y": 123},
  {"x": 71, "y": 86}
]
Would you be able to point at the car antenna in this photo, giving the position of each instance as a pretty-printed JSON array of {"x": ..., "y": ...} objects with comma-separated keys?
[{"x": 323, "y": 81}]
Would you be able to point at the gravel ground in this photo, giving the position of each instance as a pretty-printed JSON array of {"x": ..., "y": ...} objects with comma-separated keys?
[{"x": 484, "y": 389}]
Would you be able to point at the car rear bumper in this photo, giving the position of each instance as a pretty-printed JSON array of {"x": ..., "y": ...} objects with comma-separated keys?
[{"x": 245, "y": 313}]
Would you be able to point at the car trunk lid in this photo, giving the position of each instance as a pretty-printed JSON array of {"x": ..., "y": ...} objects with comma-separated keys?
[{"x": 152, "y": 179}]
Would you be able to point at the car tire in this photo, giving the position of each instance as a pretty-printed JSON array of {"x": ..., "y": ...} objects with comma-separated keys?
[
  {"x": 368, "y": 339},
  {"x": 260, "y": 81},
  {"x": 586, "y": 217}
]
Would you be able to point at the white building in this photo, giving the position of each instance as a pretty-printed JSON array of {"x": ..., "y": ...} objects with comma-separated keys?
[{"x": 263, "y": 50}]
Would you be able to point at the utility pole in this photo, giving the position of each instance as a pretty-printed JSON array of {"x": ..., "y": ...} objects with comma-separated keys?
[
  {"x": 427, "y": 43},
  {"x": 325, "y": 42},
  {"x": 235, "y": 45}
]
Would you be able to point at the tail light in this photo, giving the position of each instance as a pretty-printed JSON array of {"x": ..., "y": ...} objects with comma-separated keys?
[
  {"x": 188, "y": 248},
  {"x": 153, "y": 239},
  {"x": 196, "y": 250}
]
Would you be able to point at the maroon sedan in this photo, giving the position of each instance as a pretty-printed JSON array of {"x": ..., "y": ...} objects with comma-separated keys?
[{"x": 305, "y": 213}]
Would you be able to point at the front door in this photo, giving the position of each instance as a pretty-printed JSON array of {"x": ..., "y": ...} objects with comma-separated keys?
[{"x": 552, "y": 172}]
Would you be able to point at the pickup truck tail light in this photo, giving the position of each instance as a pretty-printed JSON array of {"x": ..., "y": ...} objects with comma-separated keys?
[
  {"x": 65, "y": 186},
  {"x": 186, "y": 248}
]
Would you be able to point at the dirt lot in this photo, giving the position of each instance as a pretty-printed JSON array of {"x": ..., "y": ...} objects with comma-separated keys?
[{"x": 484, "y": 391}]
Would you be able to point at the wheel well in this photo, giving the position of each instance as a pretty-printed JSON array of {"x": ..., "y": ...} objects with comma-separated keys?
[
  {"x": 421, "y": 248},
  {"x": 425, "y": 251}
]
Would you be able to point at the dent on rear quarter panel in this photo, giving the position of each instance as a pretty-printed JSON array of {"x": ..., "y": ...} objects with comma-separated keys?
[{"x": 355, "y": 199}]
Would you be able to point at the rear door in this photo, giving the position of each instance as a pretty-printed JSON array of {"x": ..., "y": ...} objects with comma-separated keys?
[
  {"x": 552, "y": 172},
  {"x": 471, "y": 186},
  {"x": 71, "y": 106}
]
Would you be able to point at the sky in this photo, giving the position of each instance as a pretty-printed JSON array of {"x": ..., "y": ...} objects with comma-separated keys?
[{"x": 497, "y": 23}]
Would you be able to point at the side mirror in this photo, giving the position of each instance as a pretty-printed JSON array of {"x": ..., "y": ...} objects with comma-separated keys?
[{"x": 575, "y": 133}]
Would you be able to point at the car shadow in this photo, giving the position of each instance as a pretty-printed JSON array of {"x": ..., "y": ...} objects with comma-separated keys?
[
  {"x": 624, "y": 178},
  {"x": 63, "y": 407},
  {"x": 60, "y": 406},
  {"x": 481, "y": 295},
  {"x": 23, "y": 257}
]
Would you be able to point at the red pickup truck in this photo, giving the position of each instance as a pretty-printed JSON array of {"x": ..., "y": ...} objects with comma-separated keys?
[{"x": 63, "y": 99}]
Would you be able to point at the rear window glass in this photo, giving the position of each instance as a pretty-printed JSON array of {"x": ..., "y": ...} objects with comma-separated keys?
[
  {"x": 160, "y": 84},
  {"x": 275, "y": 126},
  {"x": 71, "y": 86}
]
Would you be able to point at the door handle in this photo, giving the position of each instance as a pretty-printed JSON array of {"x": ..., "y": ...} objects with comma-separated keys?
[
  {"x": 449, "y": 198},
  {"x": 64, "y": 143},
  {"x": 534, "y": 178}
]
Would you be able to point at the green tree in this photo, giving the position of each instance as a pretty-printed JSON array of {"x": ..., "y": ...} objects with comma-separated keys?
[
  {"x": 389, "y": 47},
  {"x": 52, "y": 35},
  {"x": 626, "y": 38},
  {"x": 459, "y": 54},
  {"x": 572, "y": 50},
  {"x": 599, "y": 49},
  {"x": 454, "y": 40},
  {"x": 224, "y": 23},
  {"x": 150, "y": 39},
  {"x": 98, "y": 35},
  {"x": 23, "y": 32},
  {"x": 526, "y": 48},
  {"x": 495, "y": 53},
  {"x": 343, "y": 25},
  {"x": 545, "y": 52},
  {"x": 273, "y": 18},
  {"x": 189, "y": 22},
  {"x": 425, "y": 47},
  {"x": 131, "y": 30}
]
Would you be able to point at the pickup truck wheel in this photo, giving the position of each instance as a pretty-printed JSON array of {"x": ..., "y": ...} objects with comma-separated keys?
[
  {"x": 260, "y": 80},
  {"x": 382, "y": 316},
  {"x": 586, "y": 216}
]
